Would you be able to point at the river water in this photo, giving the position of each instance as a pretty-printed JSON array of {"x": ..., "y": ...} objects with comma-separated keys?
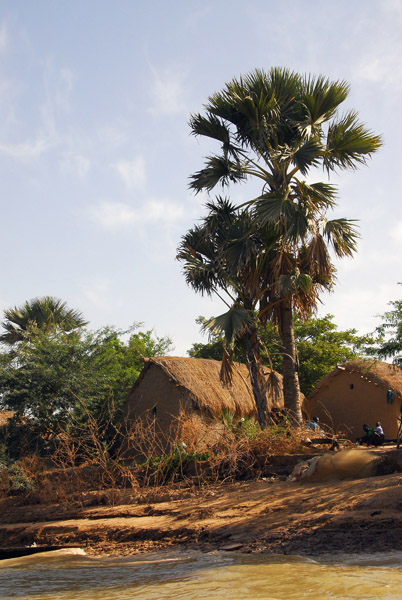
[{"x": 65, "y": 575}]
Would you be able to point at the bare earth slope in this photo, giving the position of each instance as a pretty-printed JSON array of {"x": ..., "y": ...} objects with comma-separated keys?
[{"x": 309, "y": 517}]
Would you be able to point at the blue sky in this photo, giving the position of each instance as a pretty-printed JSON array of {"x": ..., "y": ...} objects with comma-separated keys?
[{"x": 95, "y": 148}]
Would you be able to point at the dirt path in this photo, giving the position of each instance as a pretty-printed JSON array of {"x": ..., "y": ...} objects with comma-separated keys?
[{"x": 265, "y": 516}]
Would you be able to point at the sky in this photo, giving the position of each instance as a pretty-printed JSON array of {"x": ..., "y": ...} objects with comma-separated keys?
[{"x": 96, "y": 151}]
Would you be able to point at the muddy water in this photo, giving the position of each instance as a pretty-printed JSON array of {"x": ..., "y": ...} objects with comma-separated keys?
[{"x": 216, "y": 576}]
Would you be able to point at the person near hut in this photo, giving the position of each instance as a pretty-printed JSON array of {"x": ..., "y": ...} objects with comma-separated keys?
[
  {"x": 315, "y": 426},
  {"x": 378, "y": 431},
  {"x": 373, "y": 436}
]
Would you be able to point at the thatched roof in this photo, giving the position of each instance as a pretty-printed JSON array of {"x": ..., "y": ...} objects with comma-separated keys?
[
  {"x": 373, "y": 371},
  {"x": 199, "y": 377},
  {"x": 5, "y": 415}
]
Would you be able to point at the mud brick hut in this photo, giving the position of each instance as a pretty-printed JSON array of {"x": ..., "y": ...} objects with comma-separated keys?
[
  {"x": 358, "y": 392},
  {"x": 170, "y": 385}
]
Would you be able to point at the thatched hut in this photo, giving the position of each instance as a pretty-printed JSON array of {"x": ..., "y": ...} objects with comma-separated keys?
[
  {"x": 168, "y": 385},
  {"x": 358, "y": 392}
]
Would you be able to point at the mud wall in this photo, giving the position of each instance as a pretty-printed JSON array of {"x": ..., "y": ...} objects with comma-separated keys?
[
  {"x": 349, "y": 400},
  {"x": 157, "y": 397}
]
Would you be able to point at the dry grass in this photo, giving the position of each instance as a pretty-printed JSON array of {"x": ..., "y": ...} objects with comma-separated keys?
[{"x": 195, "y": 452}]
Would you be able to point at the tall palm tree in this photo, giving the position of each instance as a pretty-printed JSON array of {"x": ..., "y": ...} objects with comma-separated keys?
[
  {"x": 227, "y": 256},
  {"x": 276, "y": 127},
  {"x": 45, "y": 313}
]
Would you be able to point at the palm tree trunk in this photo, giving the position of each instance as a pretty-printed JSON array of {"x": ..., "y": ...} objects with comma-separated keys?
[
  {"x": 257, "y": 378},
  {"x": 291, "y": 387}
]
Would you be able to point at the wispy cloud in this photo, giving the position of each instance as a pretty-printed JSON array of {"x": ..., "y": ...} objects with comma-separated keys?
[
  {"x": 8, "y": 96},
  {"x": 394, "y": 7},
  {"x": 114, "y": 216},
  {"x": 56, "y": 100},
  {"x": 396, "y": 232},
  {"x": 58, "y": 88},
  {"x": 195, "y": 17},
  {"x": 97, "y": 292},
  {"x": 132, "y": 172},
  {"x": 26, "y": 150},
  {"x": 162, "y": 211},
  {"x": 384, "y": 66},
  {"x": 168, "y": 92},
  {"x": 114, "y": 134},
  {"x": 3, "y": 38},
  {"x": 75, "y": 164},
  {"x": 382, "y": 61}
]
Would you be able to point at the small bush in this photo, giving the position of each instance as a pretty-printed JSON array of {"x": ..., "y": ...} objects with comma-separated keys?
[{"x": 16, "y": 477}]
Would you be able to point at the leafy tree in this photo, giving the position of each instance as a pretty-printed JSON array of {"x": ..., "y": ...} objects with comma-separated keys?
[
  {"x": 389, "y": 341},
  {"x": 320, "y": 347},
  {"x": 276, "y": 127},
  {"x": 45, "y": 314},
  {"x": 213, "y": 349},
  {"x": 54, "y": 380}
]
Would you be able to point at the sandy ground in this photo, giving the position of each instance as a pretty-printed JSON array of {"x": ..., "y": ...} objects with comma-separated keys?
[{"x": 276, "y": 516}]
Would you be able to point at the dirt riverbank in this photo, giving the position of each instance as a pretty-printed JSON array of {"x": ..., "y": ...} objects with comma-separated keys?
[{"x": 272, "y": 515}]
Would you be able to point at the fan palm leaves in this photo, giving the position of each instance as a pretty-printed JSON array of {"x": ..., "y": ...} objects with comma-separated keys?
[
  {"x": 277, "y": 127},
  {"x": 226, "y": 256},
  {"x": 45, "y": 313}
]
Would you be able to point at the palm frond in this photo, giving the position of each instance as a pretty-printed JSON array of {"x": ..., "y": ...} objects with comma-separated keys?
[
  {"x": 315, "y": 196},
  {"x": 343, "y": 235},
  {"x": 45, "y": 313},
  {"x": 308, "y": 155},
  {"x": 316, "y": 261},
  {"x": 219, "y": 169},
  {"x": 221, "y": 215},
  {"x": 273, "y": 206},
  {"x": 321, "y": 99},
  {"x": 210, "y": 126},
  {"x": 226, "y": 372},
  {"x": 196, "y": 242},
  {"x": 231, "y": 324},
  {"x": 283, "y": 263},
  {"x": 349, "y": 143},
  {"x": 295, "y": 283},
  {"x": 297, "y": 227}
]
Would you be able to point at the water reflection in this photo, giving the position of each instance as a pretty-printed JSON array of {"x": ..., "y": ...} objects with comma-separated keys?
[{"x": 217, "y": 575}]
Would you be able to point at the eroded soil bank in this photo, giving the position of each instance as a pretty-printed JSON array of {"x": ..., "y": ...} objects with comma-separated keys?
[{"x": 271, "y": 515}]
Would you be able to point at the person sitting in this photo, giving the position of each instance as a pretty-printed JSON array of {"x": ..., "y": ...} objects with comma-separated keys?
[
  {"x": 315, "y": 426},
  {"x": 368, "y": 432},
  {"x": 373, "y": 436},
  {"x": 379, "y": 432}
]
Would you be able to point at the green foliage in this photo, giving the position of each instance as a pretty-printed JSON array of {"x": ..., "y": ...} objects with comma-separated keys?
[
  {"x": 168, "y": 467},
  {"x": 274, "y": 127},
  {"x": 14, "y": 479},
  {"x": 389, "y": 340},
  {"x": 213, "y": 349},
  {"x": 227, "y": 419},
  {"x": 248, "y": 428},
  {"x": 51, "y": 381},
  {"x": 45, "y": 314},
  {"x": 320, "y": 347}
]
